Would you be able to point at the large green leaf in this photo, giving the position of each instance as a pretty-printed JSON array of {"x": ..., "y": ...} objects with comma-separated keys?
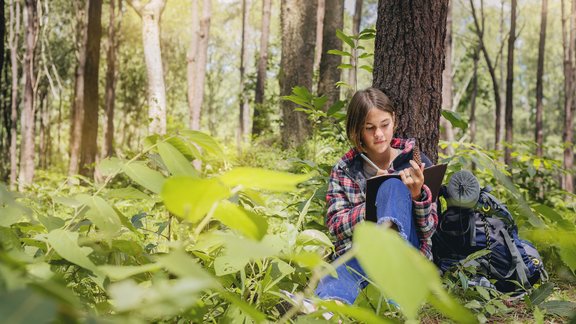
[
  {"x": 250, "y": 224},
  {"x": 206, "y": 142},
  {"x": 455, "y": 119},
  {"x": 240, "y": 251},
  {"x": 361, "y": 314},
  {"x": 559, "y": 307},
  {"x": 539, "y": 295},
  {"x": 101, "y": 214},
  {"x": 117, "y": 273},
  {"x": 192, "y": 198},
  {"x": 144, "y": 176},
  {"x": 10, "y": 215},
  {"x": 127, "y": 193},
  {"x": 345, "y": 38},
  {"x": 263, "y": 179},
  {"x": 66, "y": 244},
  {"x": 175, "y": 161},
  {"x": 181, "y": 264},
  {"x": 314, "y": 237},
  {"x": 26, "y": 306},
  {"x": 109, "y": 166}
]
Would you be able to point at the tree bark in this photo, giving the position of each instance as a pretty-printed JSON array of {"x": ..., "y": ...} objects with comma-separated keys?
[
  {"x": 447, "y": 81},
  {"x": 27, "y": 144},
  {"x": 320, "y": 13},
  {"x": 44, "y": 124},
  {"x": 408, "y": 64},
  {"x": 472, "y": 121},
  {"x": 509, "y": 118},
  {"x": 13, "y": 44},
  {"x": 298, "y": 20},
  {"x": 150, "y": 14},
  {"x": 479, "y": 30},
  {"x": 329, "y": 72},
  {"x": 539, "y": 134},
  {"x": 260, "y": 120},
  {"x": 2, "y": 34},
  {"x": 568, "y": 42},
  {"x": 197, "y": 58},
  {"x": 89, "y": 148},
  {"x": 111, "y": 77},
  {"x": 244, "y": 116},
  {"x": 356, "y": 22}
]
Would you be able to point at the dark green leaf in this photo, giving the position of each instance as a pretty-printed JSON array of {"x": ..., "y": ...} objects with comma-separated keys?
[
  {"x": 455, "y": 119},
  {"x": 539, "y": 295},
  {"x": 338, "y": 52},
  {"x": 26, "y": 306},
  {"x": 559, "y": 307}
]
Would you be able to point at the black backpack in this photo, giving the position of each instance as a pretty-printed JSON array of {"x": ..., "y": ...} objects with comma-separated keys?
[{"x": 475, "y": 220}]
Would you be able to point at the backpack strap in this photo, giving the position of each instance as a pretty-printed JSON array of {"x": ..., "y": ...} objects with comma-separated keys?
[{"x": 520, "y": 267}]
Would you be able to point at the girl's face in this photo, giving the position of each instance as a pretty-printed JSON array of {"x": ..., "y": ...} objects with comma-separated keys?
[{"x": 377, "y": 132}]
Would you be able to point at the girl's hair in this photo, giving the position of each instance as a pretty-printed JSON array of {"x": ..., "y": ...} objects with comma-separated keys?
[{"x": 360, "y": 104}]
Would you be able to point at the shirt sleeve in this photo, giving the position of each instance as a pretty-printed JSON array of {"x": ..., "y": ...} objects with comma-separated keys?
[
  {"x": 343, "y": 214},
  {"x": 426, "y": 219}
]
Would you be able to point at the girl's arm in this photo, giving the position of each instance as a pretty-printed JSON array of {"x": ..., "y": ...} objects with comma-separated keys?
[{"x": 343, "y": 214}]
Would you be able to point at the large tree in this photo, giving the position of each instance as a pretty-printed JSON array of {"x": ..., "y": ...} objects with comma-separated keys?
[
  {"x": 539, "y": 136},
  {"x": 13, "y": 44},
  {"x": 509, "y": 117},
  {"x": 408, "y": 64},
  {"x": 569, "y": 46},
  {"x": 447, "y": 81},
  {"x": 298, "y": 20},
  {"x": 260, "y": 120},
  {"x": 244, "y": 111},
  {"x": 329, "y": 72},
  {"x": 27, "y": 144},
  {"x": 150, "y": 14}
]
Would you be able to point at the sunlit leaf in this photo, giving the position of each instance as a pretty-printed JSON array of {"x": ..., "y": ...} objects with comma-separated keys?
[
  {"x": 10, "y": 215},
  {"x": 144, "y": 176},
  {"x": 263, "y": 179},
  {"x": 313, "y": 237},
  {"x": 101, "y": 214},
  {"x": 192, "y": 198},
  {"x": 109, "y": 166},
  {"x": 250, "y": 224},
  {"x": 345, "y": 66},
  {"x": 65, "y": 243},
  {"x": 361, "y": 314},
  {"x": 277, "y": 271},
  {"x": 367, "y": 68},
  {"x": 127, "y": 193},
  {"x": 206, "y": 142},
  {"x": 175, "y": 161},
  {"x": 345, "y": 38},
  {"x": 117, "y": 273},
  {"x": 181, "y": 264},
  {"x": 338, "y": 52}
]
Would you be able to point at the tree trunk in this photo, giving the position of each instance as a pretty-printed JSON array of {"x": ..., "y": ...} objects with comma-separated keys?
[
  {"x": 510, "y": 87},
  {"x": 89, "y": 148},
  {"x": 356, "y": 22},
  {"x": 111, "y": 77},
  {"x": 472, "y": 121},
  {"x": 197, "y": 58},
  {"x": 320, "y": 13},
  {"x": 27, "y": 145},
  {"x": 244, "y": 116},
  {"x": 479, "y": 30},
  {"x": 13, "y": 43},
  {"x": 568, "y": 42},
  {"x": 539, "y": 136},
  {"x": 44, "y": 124},
  {"x": 298, "y": 20},
  {"x": 329, "y": 72},
  {"x": 502, "y": 91},
  {"x": 447, "y": 81},
  {"x": 2, "y": 34},
  {"x": 77, "y": 109},
  {"x": 409, "y": 68},
  {"x": 150, "y": 14},
  {"x": 260, "y": 120}
]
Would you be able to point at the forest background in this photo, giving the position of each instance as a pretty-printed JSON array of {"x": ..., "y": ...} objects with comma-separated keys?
[{"x": 139, "y": 139}]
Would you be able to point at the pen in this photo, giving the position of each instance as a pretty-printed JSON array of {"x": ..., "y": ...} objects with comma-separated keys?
[{"x": 369, "y": 161}]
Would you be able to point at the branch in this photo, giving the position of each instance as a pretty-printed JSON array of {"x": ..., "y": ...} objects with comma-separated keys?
[{"x": 137, "y": 5}]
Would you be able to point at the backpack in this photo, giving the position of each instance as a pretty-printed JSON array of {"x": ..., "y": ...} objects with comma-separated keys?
[{"x": 475, "y": 220}]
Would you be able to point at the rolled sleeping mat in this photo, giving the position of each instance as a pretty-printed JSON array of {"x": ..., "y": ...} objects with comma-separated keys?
[{"x": 463, "y": 190}]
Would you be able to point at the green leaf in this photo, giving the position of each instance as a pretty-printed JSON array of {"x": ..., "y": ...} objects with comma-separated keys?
[
  {"x": 307, "y": 259},
  {"x": 127, "y": 193},
  {"x": 250, "y": 224},
  {"x": 277, "y": 271},
  {"x": 65, "y": 243},
  {"x": 263, "y": 179},
  {"x": 206, "y": 142},
  {"x": 10, "y": 215},
  {"x": 144, "y": 176},
  {"x": 365, "y": 55},
  {"x": 175, "y": 161},
  {"x": 110, "y": 166},
  {"x": 313, "y": 237},
  {"x": 67, "y": 201},
  {"x": 181, "y": 264},
  {"x": 336, "y": 107},
  {"x": 188, "y": 149},
  {"x": 367, "y": 68},
  {"x": 302, "y": 92},
  {"x": 361, "y": 314},
  {"x": 256, "y": 315},
  {"x": 345, "y": 66},
  {"x": 455, "y": 119},
  {"x": 26, "y": 306},
  {"x": 345, "y": 38},
  {"x": 101, "y": 214},
  {"x": 192, "y": 198},
  {"x": 338, "y": 52},
  {"x": 559, "y": 307},
  {"x": 552, "y": 215},
  {"x": 539, "y": 295},
  {"x": 117, "y": 273}
]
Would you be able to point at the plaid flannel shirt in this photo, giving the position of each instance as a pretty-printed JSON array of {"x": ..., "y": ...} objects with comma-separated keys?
[{"x": 346, "y": 199}]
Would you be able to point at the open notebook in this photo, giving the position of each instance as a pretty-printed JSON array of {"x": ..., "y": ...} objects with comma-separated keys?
[{"x": 433, "y": 177}]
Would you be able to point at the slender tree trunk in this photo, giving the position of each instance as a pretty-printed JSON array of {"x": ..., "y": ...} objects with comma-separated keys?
[
  {"x": 111, "y": 77},
  {"x": 320, "y": 13},
  {"x": 568, "y": 42},
  {"x": 44, "y": 128},
  {"x": 89, "y": 148},
  {"x": 472, "y": 121},
  {"x": 150, "y": 14},
  {"x": 197, "y": 58},
  {"x": 409, "y": 68},
  {"x": 77, "y": 110},
  {"x": 510, "y": 87},
  {"x": 2, "y": 35},
  {"x": 447, "y": 81},
  {"x": 27, "y": 121},
  {"x": 479, "y": 30},
  {"x": 356, "y": 22},
  {"x": 329, "y": 72},
  {"x": 502, "y": 91},
  {"x": 298, "y": 20},
  {"x": 539, "y": 136},
  {"x": 13, "y": 43},
  {"x": 244, "y": 116},
  {"x": 260, "y": 120}
]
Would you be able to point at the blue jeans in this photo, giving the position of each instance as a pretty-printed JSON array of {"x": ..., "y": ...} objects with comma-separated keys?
[{"x": 393, "y": 204}]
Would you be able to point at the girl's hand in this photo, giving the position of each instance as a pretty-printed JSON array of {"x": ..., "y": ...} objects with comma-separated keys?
[{"x": 413, "y": 178}]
